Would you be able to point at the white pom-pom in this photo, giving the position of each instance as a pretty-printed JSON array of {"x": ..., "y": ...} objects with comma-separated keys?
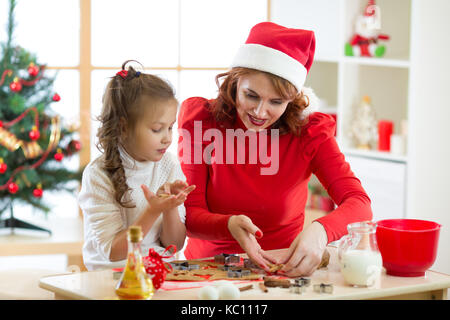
[
  {"x": 208, "y": 293},
  {"x": 313, "y": 102},
  {"x": 229, "y": 292}
]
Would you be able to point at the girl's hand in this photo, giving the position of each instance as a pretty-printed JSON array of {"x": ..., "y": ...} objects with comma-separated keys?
[
  {"x": 177, "y": 186},
  {"x": 244, "y": 232},
  {"x": 162, "y": 204},
  {"x": 305, "y": 252},
  {"x": 174, "y": 188}
]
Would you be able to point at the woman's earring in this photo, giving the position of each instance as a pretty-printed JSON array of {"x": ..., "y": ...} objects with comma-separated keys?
[{"x": 307, "y": 105}]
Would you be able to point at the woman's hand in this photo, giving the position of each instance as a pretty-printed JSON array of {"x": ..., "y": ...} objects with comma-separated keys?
[
  {"x": 159, "y": 204},
  {"x": 305, "y": 252},
  {"x": 245, "y": 232}
]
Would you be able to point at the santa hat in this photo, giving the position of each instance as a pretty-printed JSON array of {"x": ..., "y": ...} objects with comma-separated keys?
[
  {"x": 285, "y": 52},
  {"x": 370, "y": 8}
]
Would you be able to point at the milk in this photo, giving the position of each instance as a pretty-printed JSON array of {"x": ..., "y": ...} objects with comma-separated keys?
[{"x": 361, "y": 267}]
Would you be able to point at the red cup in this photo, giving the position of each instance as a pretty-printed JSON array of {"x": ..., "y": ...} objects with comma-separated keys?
[
  {"x": 385, "y": 130},
  {"x": 408, "y": 246}
]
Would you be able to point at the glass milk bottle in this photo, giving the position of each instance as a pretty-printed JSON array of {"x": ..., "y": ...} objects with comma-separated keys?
[
  {"x": 134, "y": 284},
  {"x": 359, "y": 256}
]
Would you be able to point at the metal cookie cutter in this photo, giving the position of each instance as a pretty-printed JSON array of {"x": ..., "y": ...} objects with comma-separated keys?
[
  {"x": 180, "y": 265},
  {"x": 298, "y": 288},
  {"x": 184, "y": 266},
  {"x": 226, "y": 267},
  {"x": 323, "y": 288},
  {"x": 237, "y": 273},
  {"x": 227, "y": 258},
  {"x": 303, "y": 281}
]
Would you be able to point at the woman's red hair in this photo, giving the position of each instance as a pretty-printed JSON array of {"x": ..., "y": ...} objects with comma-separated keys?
[{"x": 224, "y": 108}]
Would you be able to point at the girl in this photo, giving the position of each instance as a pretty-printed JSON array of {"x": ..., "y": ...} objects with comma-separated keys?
[{"x": 139, "y": 111}]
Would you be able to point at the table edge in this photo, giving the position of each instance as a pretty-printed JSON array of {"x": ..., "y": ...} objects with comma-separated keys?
[{"x": 377, "y": 293}]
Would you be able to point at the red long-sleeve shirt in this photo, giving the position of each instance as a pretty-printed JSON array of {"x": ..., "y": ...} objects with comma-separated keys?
[{"x": 275, "y": 203}]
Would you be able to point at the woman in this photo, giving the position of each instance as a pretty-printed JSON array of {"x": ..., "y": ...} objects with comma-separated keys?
[{"x": 262, "y": 104}]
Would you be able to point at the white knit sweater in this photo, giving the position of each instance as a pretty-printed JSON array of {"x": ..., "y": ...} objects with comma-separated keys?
[{"x": 104, "y": 218}]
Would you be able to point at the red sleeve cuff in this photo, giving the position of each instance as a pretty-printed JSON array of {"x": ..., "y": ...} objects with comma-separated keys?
[
  {"x": 205, "y": 225},
  {"x": 350, "y": 211}
]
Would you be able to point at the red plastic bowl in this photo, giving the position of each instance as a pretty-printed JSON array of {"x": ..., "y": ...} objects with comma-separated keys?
[{"x": 408, "y": 246}]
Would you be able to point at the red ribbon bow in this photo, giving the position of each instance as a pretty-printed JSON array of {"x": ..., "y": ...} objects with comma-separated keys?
[
  {"x": 155, "y": 266},
  {"x": 122, "y": 73},
  {"x": 152, "y": 253}
]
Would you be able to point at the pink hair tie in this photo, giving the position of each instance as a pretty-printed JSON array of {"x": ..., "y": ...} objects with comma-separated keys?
[{"x": 122, "y": 73}]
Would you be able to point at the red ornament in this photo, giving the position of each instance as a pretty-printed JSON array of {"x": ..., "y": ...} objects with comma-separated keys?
[
  {"x": 13, "y": 188},
  {"x": 37, "y": 193},
  {"x": 33, "y": 70},
  {"x": 1, "y": 123},
  {"x": 3, "y": 166},
  {"x": 59, "y": 155},
  {"x": 34, "y": 134},
  {"x": 56, "y": 97},
  {"x": 75, "y": 145},
  {"x": 15, "y": 86},
  {"x": 155, "y": 267}
]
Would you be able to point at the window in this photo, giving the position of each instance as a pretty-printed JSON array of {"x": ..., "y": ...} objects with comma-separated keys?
[
  {"x": 187, "y": 42},
  {"x": 48, "y": 28}
]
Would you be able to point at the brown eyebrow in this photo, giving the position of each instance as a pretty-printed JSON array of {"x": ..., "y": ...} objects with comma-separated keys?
[
  {"x": 163, "y": 123},
  {"x": 254, "y": 92}
]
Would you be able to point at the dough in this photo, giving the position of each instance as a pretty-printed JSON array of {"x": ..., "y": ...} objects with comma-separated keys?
[
  {"x": 229, "y": 292},
  {"x": 208, "y": 293}
]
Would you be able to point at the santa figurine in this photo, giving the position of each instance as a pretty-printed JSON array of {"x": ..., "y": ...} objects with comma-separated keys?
[{"x": 365, "y": 41}]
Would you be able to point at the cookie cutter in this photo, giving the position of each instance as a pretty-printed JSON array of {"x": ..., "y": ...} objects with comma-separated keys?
[
  {"x": 323, "y": 288},
  {"x": 237, "y": 273},
  {"x": 227, "y": 258},
  {"x": 298, "y": 288},
  {"x": 226, "y": 267},
  {"x": 184, "y": 266},
  {"x": 303, "y": 281}
]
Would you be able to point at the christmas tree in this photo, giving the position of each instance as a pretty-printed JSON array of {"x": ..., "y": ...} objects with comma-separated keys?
[{"x": 33, "y": 141}]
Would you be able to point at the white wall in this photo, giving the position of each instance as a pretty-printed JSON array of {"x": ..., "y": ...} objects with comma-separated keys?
[{"x": 429, "y": 142}]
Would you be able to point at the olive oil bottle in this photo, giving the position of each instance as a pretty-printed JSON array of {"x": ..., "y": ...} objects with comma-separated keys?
[{"x": 134, "y": 284}]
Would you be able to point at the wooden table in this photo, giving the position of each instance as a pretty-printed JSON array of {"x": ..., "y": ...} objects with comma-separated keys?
[
  {"x": 99, "y": 285},
  {"x": 66, "y": 238}
]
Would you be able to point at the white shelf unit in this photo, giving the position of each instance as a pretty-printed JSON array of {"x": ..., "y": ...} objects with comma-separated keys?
[
  {"x": 341, "y": 82},
  {"x": 380, "y": 155},
  {"x": 381, "y": 62}
]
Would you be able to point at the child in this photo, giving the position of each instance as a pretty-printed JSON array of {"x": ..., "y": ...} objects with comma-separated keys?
[{"x": 139, "y": 111}]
